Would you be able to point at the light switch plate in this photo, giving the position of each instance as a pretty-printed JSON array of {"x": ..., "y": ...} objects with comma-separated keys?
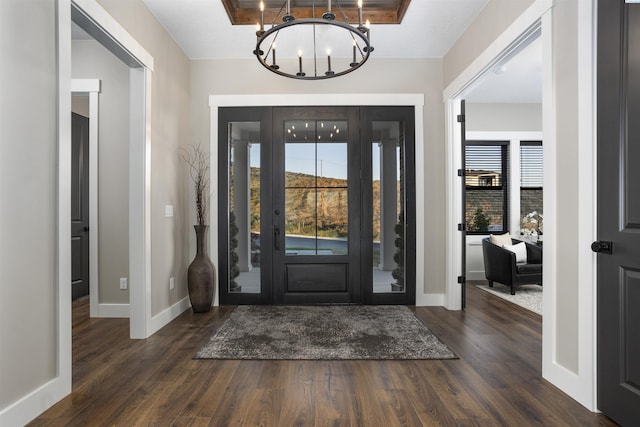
[{"x": 168, "y": 211}]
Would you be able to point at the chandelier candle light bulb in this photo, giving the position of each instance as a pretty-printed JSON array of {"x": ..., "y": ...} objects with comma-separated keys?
[
  {"x": 360, "y": 13},
  {"x": 261, "y": 16},
  {"x": 354, "y": 63},
  {"x": 329, "y": 72},
  {"x": 273, "y": 51},
  {"x": 368, "y": 25},
  {"x": 300, "y": 73}
]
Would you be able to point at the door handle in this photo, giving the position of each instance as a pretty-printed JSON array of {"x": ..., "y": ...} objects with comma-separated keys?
[
  {"x": 86, "y": 228},
  {"x": 276, "y": 238},
  {"x": 602, "y": 246}
]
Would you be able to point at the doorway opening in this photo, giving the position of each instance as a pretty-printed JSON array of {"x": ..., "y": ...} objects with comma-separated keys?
[{"x": 316, "y": 205}]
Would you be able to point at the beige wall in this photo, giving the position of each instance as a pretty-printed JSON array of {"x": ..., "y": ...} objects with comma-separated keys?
[
  {"x": 80, "y": 105},
  {"x": 90, "y": 60},
  {"x": 28, "y": 129},
  {"x": 170, "y": 237},
  {"x": 503, "y": 117},
  {"x": 565, "y": 27},
  {"x": 217, "y": 77}
]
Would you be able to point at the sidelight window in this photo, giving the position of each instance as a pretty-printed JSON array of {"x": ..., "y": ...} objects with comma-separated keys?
[{"x": 244, "y": 207}]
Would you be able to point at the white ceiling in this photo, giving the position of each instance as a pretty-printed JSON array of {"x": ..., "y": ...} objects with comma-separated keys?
[
  {"x": 428, "y": 30},
  {"x": 516, "y": 80}
]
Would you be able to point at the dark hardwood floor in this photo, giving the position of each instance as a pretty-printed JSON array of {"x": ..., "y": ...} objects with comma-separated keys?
[{"x": 496, "y": 382}]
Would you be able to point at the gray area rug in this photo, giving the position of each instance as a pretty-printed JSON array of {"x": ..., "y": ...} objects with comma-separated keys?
[
  {"x": 527, "y": 296},
  {"x": 324, "y": 333}
]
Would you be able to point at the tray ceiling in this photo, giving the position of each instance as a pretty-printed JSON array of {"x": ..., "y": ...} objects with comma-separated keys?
[{"x": 246, "y": 12}]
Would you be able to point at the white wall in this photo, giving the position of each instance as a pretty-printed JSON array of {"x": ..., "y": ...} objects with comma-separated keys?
[
  {"x": 238, "y": 77},
  {"x": 503, "y": 117},
  {"x": 90, "y": 60},
  {"x": 28, "y": 151}
]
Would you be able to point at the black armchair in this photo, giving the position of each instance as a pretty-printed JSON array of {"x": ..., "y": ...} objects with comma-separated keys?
[{"x": 500, "y": 265}]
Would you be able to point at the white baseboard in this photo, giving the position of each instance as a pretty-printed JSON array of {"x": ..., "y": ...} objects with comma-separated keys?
[
  {"x": 161, "y": 319},
  {"x": 35, "y": 403},
  {"x": 577, "y": 387},
  {"x": 427, "y": 300},
  {"x": 114, "y": 310},
  {"x": 476, "y": 275}
]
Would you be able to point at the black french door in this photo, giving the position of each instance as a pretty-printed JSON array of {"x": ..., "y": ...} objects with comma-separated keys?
[{"x": 316, "y": 205}]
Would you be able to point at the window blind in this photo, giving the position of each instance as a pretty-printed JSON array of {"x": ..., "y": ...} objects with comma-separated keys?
[{"x": 531, "y": 172}]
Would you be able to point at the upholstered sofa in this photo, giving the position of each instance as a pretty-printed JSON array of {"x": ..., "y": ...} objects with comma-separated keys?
[{"x": 500, "y": 264}]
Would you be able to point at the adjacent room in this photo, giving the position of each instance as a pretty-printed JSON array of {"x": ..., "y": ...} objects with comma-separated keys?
[{"x": 319, "y": 212}]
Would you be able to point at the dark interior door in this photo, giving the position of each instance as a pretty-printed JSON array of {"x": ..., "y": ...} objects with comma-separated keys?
[
  {"x": 619, "y": 211},
  {"x": 79, "y": 206},
  {"x": 316, "y": 205}
]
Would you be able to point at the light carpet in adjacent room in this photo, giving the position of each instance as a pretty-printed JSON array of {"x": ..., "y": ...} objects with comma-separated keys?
[
  {"x": 336, "y": 332},
  {"x": 527, "y": 296}
]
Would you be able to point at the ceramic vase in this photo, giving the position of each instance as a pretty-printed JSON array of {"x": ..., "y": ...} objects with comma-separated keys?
[{"x": 201, "y": 275}]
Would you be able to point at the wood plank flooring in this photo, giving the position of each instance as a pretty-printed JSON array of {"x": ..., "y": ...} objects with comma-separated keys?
[{"x": 496, "y": 382}]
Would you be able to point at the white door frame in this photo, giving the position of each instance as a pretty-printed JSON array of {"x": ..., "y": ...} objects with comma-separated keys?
[
  {"x": 580, "y": 385},
  {"x": 414, "y": 100},
  {"x": 106, "y": 30}
]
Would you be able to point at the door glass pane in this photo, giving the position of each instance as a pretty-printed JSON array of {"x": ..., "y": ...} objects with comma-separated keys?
[
  {"x": 244, "y": 207},
  {"x": 388, "y": 223},
  {"x": 316, "y": 202}
]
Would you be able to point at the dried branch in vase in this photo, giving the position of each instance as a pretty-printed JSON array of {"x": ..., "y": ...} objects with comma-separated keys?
[{"x": 198, "y": 162}]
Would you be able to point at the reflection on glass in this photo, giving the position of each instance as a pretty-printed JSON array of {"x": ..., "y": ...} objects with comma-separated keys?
[
  {"x": 316, "y": 172},
  {"x": 244, "y": 207},
  {"x": 388, "y": 223},
  {"x": 299, "y": 164}
]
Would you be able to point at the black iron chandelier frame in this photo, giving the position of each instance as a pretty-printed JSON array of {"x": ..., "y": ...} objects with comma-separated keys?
[{"x": 359, "y": 33}]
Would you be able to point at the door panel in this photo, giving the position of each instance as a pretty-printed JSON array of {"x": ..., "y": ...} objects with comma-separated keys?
[
  {"x": 316, "y": 205},
  {"x": 317, "y": 277},
  {"x": 79, "y": 206},
  {"x": 619, "y": 211}
]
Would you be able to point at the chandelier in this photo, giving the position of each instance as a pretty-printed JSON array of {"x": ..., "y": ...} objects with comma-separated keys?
[{"x": 313, "y": 41}]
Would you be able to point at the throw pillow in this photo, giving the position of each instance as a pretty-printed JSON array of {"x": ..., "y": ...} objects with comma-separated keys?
[
  {"x": 500, "y": 240},
  {"x": 520, "y": 249}
]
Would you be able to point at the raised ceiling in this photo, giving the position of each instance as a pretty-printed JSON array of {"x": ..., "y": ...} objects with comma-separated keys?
[
  {"x": 428, "y": 29},
  {"x": 246, "y": 12}
]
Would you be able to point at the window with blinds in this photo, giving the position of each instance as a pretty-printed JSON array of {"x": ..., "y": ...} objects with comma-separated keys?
[
  {"x": 531, "y": 176},
  {"x": 486, "y": 187}
]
